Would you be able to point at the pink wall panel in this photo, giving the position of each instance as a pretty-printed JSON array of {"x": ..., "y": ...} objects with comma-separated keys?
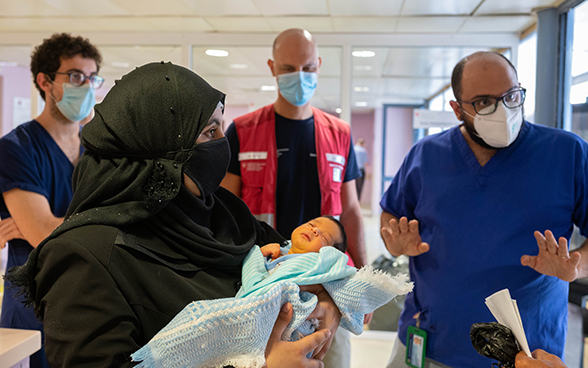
[{"x": 16, "y": 82}]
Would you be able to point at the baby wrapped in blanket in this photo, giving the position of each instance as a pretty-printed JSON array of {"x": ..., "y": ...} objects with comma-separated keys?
[{"x": 235, "y": 331}]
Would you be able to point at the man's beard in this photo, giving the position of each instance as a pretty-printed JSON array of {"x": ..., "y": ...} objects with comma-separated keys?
[
  {"x": 471, "y": 130},
  {"x": 469, "y": 127},
  {"x": 54, "y": 110}
]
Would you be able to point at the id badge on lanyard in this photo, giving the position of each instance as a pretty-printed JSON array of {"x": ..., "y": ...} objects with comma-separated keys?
[{"x": 416, "y": 345}]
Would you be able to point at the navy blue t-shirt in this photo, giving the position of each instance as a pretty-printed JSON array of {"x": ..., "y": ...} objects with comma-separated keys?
[
  {"x": 298, "y": 194},
  {"x": 31, "y": 160}
]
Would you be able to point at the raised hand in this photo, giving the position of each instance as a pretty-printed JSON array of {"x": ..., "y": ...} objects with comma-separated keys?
[
  {"x": 286, "y": 354},
  {"x": 402, "y": 237},
  {"x": 553, "y": 258}
]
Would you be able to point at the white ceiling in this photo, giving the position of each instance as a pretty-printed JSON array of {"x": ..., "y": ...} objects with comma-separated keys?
[{"x": 394, "y": 75}]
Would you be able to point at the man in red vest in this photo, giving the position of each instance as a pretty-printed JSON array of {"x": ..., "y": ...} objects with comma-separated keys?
[{"x": 291, "y": 162}]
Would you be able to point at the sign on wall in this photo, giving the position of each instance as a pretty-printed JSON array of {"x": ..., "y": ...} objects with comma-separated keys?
[
  {"x": 422, "y": 118},
  {"x": 21, "y": 110}
]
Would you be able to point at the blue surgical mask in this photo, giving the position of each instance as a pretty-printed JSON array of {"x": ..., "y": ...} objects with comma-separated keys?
[
  {"x": 77, "y": 102},
  {"x": 297, "y": 87}
]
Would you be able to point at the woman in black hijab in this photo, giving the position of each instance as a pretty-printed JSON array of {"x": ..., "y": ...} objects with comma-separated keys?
[{"x": 149, "y": 229}]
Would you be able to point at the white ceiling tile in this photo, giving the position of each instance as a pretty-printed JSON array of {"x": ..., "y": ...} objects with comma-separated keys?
[
  {"x": 444, "y": 24},
  {"x": 496, "y": 24},
  {"x": 447, "y": 7},
  {"x": 298, "y": 7},
  {"x": 512, "y": 7},
  {"x": 92, "y": 8},
  {"x": 222, "y": 7},
  {"x": 50, "y": 24},
  {"x": 311, "y": 24},
  {"x": 27, "y": 8},
  {"x": 155, "y": 7},
  {"x": 362, "y": 8},
  {"x": 137, "y": 24},
  {"x": 239, "y": 24},
  {"x": 179, "y": 24},
  {"x": 365, "y": 24},
  {"x": 16, "y": 24}
]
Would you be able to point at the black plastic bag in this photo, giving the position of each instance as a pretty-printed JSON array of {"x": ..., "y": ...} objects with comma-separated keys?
[{"x": 495, "y": 341}]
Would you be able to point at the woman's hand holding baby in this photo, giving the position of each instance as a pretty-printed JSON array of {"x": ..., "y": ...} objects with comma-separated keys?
[{"x": 285, "y": 354}]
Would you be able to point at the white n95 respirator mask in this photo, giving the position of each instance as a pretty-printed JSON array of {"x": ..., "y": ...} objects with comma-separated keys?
[{"x": 500, "y": 128}]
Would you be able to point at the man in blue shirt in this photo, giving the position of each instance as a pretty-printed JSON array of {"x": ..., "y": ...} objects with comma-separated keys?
[
  {"x": 296, "y": 65},
  {"x": 38, "y": 158},
  {"x": 466, "y": 205}
]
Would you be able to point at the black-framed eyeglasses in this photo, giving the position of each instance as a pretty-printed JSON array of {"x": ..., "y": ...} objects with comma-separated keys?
[
  {"x": 78, "y": 79},
  {"x": 511, "y": 99}
]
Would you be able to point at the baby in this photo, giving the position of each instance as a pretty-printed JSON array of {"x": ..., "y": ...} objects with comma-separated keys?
[
  {"x": 324, "y": 231},
  {"x": 235, "y": 331}
]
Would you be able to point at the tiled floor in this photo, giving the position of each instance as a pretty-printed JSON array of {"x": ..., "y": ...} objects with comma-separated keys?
[{"x": 373, "y": 349}]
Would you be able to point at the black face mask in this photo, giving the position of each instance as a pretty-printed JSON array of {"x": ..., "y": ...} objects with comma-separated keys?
[{"x": 208, "y": 165}]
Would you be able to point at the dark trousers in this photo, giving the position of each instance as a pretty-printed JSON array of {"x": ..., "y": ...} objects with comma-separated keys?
[{"x": 359, "y": 183}]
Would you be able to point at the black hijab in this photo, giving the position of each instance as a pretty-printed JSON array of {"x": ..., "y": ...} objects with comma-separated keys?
[{"x": 130, "y": 175}]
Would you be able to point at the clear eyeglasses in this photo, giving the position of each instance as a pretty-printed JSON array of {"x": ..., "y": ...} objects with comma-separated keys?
[
  {"x": 511, "y": 99},
  {"x": 78, "y": 79}
]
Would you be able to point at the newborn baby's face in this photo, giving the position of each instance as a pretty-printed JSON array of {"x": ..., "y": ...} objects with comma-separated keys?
[{"x": 315, "y": 234}]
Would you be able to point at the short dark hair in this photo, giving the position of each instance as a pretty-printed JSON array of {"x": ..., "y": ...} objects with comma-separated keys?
[
  {"x": 46, "y": 58},
  {"x": 342, "y": 246},
  {"x": 457, "y": 73}
]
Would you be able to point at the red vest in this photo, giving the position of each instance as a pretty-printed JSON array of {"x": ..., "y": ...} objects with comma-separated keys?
[{"x": 259, "y": 161}]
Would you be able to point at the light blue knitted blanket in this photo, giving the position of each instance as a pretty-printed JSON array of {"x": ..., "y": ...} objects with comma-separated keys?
[{"x": 235, "y": 331}]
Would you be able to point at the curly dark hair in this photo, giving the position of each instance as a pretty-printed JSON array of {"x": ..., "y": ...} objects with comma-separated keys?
[
  {"x": 46, "y": 58},
  {"x": 342, "y": 245}
]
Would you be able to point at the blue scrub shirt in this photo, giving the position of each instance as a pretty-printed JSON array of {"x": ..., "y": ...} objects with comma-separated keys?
[
  {"x": 479, "y": 221},
  {"x": 30, "y": 160}
]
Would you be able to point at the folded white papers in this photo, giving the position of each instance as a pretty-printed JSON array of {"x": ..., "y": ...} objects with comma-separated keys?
[{"x": 506, "y": 312}]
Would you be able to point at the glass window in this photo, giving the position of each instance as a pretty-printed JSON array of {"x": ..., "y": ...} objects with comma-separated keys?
[
  {"x": 526, "y": 69},
  {"x": 436, "y": 103},
  {"x": 579, "y": 89},
  {"x": 579, "y": 93},
  {"x": 448, "y": 96}
]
